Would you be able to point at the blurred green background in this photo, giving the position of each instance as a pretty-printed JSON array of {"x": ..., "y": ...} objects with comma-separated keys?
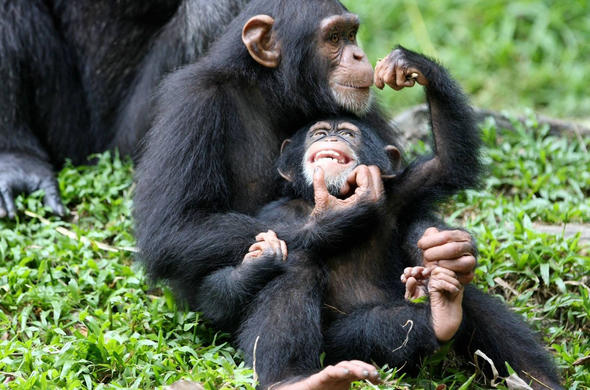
[{"x": 506, "y": 54}]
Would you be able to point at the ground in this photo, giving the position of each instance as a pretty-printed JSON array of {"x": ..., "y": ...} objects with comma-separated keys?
[{"x": 77, "y": 313}]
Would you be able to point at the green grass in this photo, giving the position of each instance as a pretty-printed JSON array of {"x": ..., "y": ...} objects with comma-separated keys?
[
  {"x": 505, "y": 53},
  {"x": 73, "y": 315},
  {"x": 77, "y": 316}
]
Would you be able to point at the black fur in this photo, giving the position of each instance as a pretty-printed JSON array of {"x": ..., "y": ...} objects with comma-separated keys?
[
  {"x": 78, "y": 77},
  {"x": 207, "y": 168},
  {"x": 340, "y": 292},
  {"x": 210, "y": 154}
]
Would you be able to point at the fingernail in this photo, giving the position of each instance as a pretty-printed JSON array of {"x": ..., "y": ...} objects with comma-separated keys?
[
  {"x": 365, "y": 373},
  {"x": 346, "y": 371},
  {"x": 375, "y": 373}
]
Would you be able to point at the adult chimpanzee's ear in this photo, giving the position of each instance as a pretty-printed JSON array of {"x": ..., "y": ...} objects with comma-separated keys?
[
  {"x": 260, "y": 41},
  {"x": 396, "y": 159},
  {"x": 285, "y": 175}
]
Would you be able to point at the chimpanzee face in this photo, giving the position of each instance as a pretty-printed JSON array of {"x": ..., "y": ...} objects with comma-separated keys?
[
  {"x": 351, "y": 74},
  {"x": 333, "y": 147}
]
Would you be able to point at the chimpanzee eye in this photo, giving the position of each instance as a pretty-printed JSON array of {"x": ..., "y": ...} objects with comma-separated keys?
[
  {"x": 347, "y": 133},
  {"x": 319, "y": 133},
  {"x": 352, "y": 36},
  {"x": 335, "y": 37}
]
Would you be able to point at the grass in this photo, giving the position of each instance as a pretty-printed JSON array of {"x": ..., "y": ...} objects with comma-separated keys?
[
  {"x": 76, "y": 316},
  {"x": 73, "y": 315},
  {"x": 505, "y": 53}
]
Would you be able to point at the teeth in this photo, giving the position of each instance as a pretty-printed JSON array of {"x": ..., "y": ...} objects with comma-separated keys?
[
  {"x": 327, "y": 153},
  {"x": 330, "y": 155}
]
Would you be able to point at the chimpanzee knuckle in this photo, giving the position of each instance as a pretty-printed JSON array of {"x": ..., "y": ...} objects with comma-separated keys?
[
  {"x": 396, "y": 54},
  {"x": 448, "y": 235},
  {"x": 466, "y": 278},
  {"x": 460, "y": 235},
  {"x": 470, "y": 261},
  {"x": 457, "y": 248},
  {"x": 389, "y": 78}
]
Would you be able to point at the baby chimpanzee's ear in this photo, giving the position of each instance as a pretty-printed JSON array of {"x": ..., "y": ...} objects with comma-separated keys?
[
  {"x": 396, "y": 159},
  {"x": 287, "y": 175}
]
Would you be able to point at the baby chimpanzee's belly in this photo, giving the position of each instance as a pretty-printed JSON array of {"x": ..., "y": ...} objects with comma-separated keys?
[{"x": 351, "y": 286}]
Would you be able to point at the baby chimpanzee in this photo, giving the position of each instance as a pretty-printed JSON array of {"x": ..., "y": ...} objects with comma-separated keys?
[
  {"x": 341, "y": 292},
  {"x": 346, "y": 205}
]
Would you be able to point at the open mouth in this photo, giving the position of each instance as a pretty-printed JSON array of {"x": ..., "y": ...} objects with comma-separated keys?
[{"x": 330, "y": 156}]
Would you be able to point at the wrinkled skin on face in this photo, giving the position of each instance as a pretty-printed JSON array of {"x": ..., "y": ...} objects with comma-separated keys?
[
  {"x": 332, "y": 148},
  {"x": 351, "y": 75}
]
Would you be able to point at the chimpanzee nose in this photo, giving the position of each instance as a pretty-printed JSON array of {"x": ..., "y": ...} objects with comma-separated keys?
[{"x": 358, "y": 54}]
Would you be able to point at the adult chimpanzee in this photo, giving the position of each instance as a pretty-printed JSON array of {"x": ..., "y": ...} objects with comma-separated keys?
[
  {"x": 207, "y": 162},
  {"x": 340, "y": 292},
  {"x": 77, "y": 77}
]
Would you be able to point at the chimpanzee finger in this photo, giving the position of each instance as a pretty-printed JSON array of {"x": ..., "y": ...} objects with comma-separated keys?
[
  {"x": 272, "y": 244},
  {"x": 265, "y": 236},
  {"x": 448, "y": 251},
  {"x": 442, "y": 285},
  {"x": 441, "y": 273},
  {"x": 416, "y": 272},
  {"x": 389, "y": 77},
  {"x": 411, "y": 286},
  {"x": 376, "y": 181},
  {"x": 462, "y": 265},
  {"x": 360, "y": 177},
  {"x": 320, "y": 190},
  {"x": 258, "y": 246},
  {"x": 6, "y": 193},
  {"x": 433, "y": 237},
  {"x": 400, "y": 74},
  {"x": 378, "y": 78},
  {"x": 465, "y": 278},
  {"x": 251, "y": 256},
  {"x": 52, "y": 197},
  {"x": 284, "y": 249},
  {"x": 359, "y": 370}
]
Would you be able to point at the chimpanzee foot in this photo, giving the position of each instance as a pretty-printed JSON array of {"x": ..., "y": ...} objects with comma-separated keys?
[{"x": 337, "y": 377}]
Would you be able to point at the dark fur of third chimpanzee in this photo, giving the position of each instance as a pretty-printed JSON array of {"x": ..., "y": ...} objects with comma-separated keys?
[
  {"x": 78, "y": 78},
  {"x": 341, "y": 291}
]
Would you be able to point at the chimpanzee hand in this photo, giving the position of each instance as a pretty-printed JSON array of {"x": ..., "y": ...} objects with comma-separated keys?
[
  {"x": 24, "y": 173},
  {"x": 416, "y": 281},
  {"x": 450, "y": 249},
  {"x": 267, "y": 244},
  {"x": 399, "y": 70},
  {"x": 445, "y": 296},
  {"x": 364, "y": 182}
]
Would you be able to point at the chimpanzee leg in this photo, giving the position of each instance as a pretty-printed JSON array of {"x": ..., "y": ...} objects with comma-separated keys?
[
  {"x": 398, "y": 334},
  {"x": 489, "y": 326},
  {"x": 42, "y": 108},
  {"x": 281, "y": 338}
]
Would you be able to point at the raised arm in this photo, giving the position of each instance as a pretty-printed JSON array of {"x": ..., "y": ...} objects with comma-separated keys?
[{"x": 455, "y": 164}]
